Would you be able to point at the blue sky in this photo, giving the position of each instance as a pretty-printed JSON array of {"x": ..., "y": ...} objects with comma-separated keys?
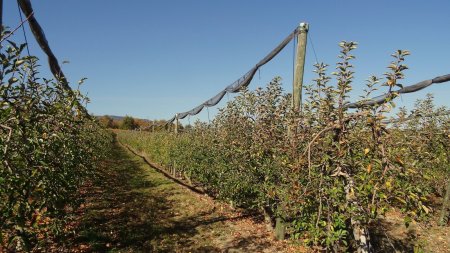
[{"x": 151, "y": 59}]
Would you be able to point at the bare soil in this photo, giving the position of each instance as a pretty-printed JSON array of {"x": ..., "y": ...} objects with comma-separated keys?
[{"x": 392, "y": 235}]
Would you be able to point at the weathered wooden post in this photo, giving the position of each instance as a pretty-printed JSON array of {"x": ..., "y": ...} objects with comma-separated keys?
[
  {"x": 445, "y": 212},
  {"x": 176, "y": 123},
  {"x": 299, "y": 66},
  {"x": 280, "y": 226},
  {"x": 1, "y": 17}
]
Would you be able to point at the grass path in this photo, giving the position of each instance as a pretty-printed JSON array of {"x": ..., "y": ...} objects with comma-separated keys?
[{"x": 133, "y": 208}]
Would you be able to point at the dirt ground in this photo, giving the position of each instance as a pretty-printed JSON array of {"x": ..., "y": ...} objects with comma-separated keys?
[{"x": 391, "y": 235}]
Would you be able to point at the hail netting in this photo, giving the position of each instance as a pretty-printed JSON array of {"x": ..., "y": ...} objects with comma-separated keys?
[
  {"x": 55, "y": 68},
  {"x": 408, "y": 89},
  {"x": 38, "y": 33},
  {"x": 245, "y": 80},
  {"x": 369, "y": 102},
  {"x": 239, "y": 84}
]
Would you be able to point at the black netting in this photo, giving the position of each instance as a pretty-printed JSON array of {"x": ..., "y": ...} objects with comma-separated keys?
[
  {"x": 441, "y": 79},
  {"x": 408, "y": 89},
  {"x": 170, "y": 121},
  {"x": 243, "y": 81},
  {"x": 55, "y": 68},
  {"x": 278, "y": 49},
  {"x": 27, "y": 9},
  {"x": 182, "y": 115},
  {"x": 196, "y": 110},
  {"x": 215, "y": 100}
]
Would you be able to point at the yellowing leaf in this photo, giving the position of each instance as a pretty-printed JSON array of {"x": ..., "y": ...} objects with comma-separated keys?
[
  {"x": 369, "y": 168},
  {"x": 425, "y": 209},
  {"x": 401, "y": 200},
  {"x": 366, "y": 151},
  {"x": 351, "y": 193},
  {"x": 388, "y": 185},
  {"x": 399, "y": 160}
]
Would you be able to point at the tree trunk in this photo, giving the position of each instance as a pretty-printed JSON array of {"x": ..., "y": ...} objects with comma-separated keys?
[
  {"x": 360, "y": 231},
  {"x": 362, "y": 237},
  {"x": 268, "y": 218}
]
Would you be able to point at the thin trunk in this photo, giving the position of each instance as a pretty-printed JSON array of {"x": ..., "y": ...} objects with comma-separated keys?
[
  {"x": 362, "y": 237},
  {"x": 268, "y": 218},
  {"x": 360, "y": 231}
]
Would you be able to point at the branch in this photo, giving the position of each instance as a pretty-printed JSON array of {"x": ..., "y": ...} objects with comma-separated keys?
[
  {"x": 312, "y": 142},
  {"x": 334, "y": 126},
  {"x": 15, "y": 29},
  {"x": 8, "y": 138}
]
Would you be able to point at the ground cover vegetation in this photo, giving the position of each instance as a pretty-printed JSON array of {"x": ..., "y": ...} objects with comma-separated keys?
[
  {"x": 327, "y": 172},
  {"x": 49, "y": 146}
]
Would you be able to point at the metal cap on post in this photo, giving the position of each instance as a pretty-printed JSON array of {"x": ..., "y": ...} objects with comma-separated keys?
[
  {"x": 299, "y": 65},
  {"x": 304, "y": 26}
]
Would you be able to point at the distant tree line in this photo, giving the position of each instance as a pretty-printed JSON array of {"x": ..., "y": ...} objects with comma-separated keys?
[{"x": 131, "y": 123}]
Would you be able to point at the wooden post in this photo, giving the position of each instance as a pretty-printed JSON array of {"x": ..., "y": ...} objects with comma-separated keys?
[
  {"x": 1, "y": 17},
  {"x": 280, "y": 227},
  {"x": 188, "y": 178},
  {"x": 445, "y": 212},
  {"x": 176, "y": 123},
  {"x": 299, "y": 66}
]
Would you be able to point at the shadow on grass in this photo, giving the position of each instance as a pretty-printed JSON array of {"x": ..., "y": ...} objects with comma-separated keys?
[
  {"x": 129, "y": 209},
  {"x": 383, "y": 242}
]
